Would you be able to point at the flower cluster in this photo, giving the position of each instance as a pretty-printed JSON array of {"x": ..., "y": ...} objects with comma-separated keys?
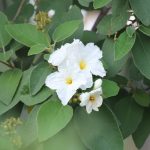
[{"x": 77, "y": 63}]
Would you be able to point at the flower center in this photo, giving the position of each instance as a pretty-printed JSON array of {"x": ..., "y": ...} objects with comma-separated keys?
[
  {"x": 92, "y": 98},
  {"x": 69, "y": 80},
  {"x": 82, "y": 64}
]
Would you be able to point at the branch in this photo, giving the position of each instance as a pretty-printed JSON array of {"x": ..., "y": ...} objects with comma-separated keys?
[
  {"x": 19, "y": 9},
  {"x": 6, "y": 64},
  {"x": 102, "y": 13}
]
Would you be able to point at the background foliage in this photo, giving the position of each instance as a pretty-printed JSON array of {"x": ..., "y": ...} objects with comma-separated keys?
[{"x": 23, "y": 69}]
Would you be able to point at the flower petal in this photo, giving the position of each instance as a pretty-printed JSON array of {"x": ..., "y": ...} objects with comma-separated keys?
[
  {"x": 97, "y": 68},
  {"x": 93, "y": 51},
  {"x": 84, "y": 97},
  {"x": 65, "y": 94},
  {"x": 89, "y": 107},
  {"x": 55, "y": 80}
]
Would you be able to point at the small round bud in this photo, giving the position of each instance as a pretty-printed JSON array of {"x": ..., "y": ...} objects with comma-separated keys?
[
  {"x": 129, "y": 23},
  {"x": 51, "y": 13},
  {"x": 132, "y": 18}
]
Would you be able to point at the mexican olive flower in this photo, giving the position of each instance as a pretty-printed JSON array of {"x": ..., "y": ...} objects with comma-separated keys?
[
  {"x": 65, "y": 82},
  {"x": 85, "y": 58},
  {"x": 92, "y": 100}
]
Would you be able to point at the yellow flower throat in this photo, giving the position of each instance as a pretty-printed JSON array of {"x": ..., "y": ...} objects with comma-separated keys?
[
  {"x": 82, "y": 65},
  {"x": 69, "y": 80}
]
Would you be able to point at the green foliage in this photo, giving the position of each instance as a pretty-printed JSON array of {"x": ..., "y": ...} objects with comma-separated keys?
[
  {"x": 141, "y": 54},
  {"x": 110, "y": 88},
  {"x": 60, "y": 140},
  {"x": 100, "y": 125},
  {"x": 113, "y": 67},
  {"x": 36, "y": 49},
  {"x": 65, "y": 30},
  {"x": 123, "y": 45},
  {"x": 145, "y": 30},
  {"x": 143, "y": 130},
  {"x": 129, "y": 115},
  {"x": 24, "y": 54},
  {"x": 4, "y": 36},
  {"x": 52, "y": 117},
  {"x": 142, "y": 98},
  {"x": 99, "y": 4},
  {"x": 27, "y": 34},
  {"x": 141, "y": 9},
  {"x": 10, "y": 81},
  {"x": 39, "y": 73},
  {"x": 43, "y": 95}
]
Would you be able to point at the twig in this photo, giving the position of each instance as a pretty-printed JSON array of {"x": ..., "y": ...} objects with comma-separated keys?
[
  {"x": 6, "y": 64},
  {"x": 102, "y": 13},
  {"x": 19, "y": 9}
]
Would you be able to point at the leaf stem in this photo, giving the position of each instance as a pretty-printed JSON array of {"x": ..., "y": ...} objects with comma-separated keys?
[
  {"x": 6, "y": 64},
  {"x": 102, "y": 13},
  {"x": 19, "y": 9}
]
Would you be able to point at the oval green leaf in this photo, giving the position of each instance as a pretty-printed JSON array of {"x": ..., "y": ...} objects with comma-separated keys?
[
  {"x": 123, "y": 45},
  {"x": 65, "y": 30},
  {"x": 9, "y": 82},
  {"x": 36, "y": 49},
  {"x": 129, "y": 114},
  {"x": 141, "y": 10},
  {"x": 4, "y": 36},
  {"x": 98, "y": 130},
  {"x": 52, "y": 117},
  {"x": 110, "y": 88},
  {"x": 27, "y": 34},
  {"x": 141, "y": 54},
  {"x": 100, "y": 3},
  {"x": 38, "y": 77}
]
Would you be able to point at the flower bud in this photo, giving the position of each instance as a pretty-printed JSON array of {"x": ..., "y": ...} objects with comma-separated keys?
[{"x": 97, "y": 84}]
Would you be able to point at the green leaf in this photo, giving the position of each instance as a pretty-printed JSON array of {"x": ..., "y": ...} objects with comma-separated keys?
[
  {"x": 29, "y": 130},
  {"x": 60, "y": 140},
  {"x": 110, "y": 88},
  {"x": 120, "y": 6},
  {"x": 91, "y": 36},
  {"x": 142, "y": 98},
  {"x": 111, "y": 24},
  {"x": 4, "y": 56},
  {"x": 98, "y": 130},
  {"x": 65, "y": 30},
  {"x": 141, "y": 54},
  {"x": 130, "y": 31},
  {"x": 112, "y": 66},
  {"x": 4, "y": 108},
  {"x": 9, "y": 82},
  {"x": 27, "y": 34},
  {"x": 52, "y": 117},
  {"x": 38, "y": 77},
  {"x": 143, "y": 130},
  {"x": 4, "y": 36},
  {"x": 85, "y": 3},
  {"x": 141, "y": 10},
  {"x": 123, "y": 45},
  {"x": 59, "y": 6},
  {"x": 145, "y": 30},
  {"x": 100, "y": 3},
  {"x": 29, "y": 100},
  {"x": 36, "y": 49},
  {"x": 129, "y": 114}
]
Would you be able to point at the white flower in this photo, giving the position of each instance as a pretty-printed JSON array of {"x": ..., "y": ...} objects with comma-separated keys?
[
  {"x": 65, "y": 82},
  {"x": 85, "y": 58},
  {"x": 92, "y": 100},
  {"x": 51, "y": 13}
]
